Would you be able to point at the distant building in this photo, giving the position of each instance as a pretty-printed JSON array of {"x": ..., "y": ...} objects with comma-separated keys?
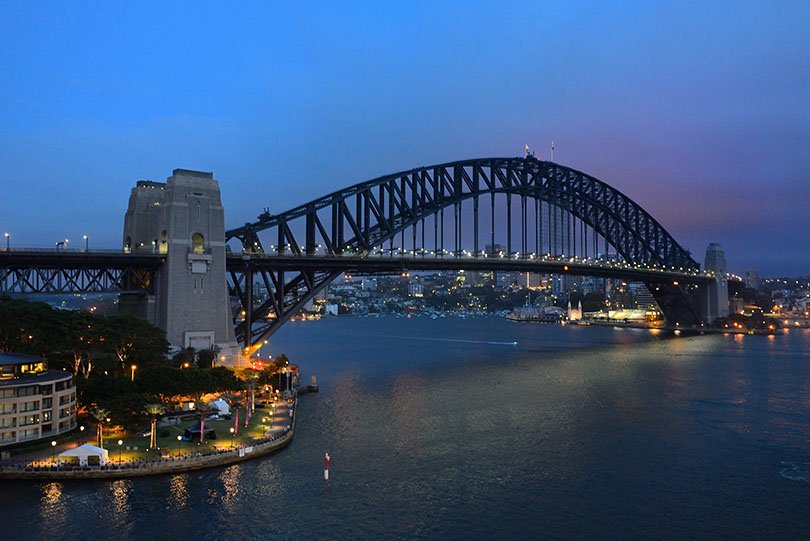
[
  {"x": 575, "y": 314},
  {"x": 752, "y": 279},
  {"x": 532, "y": 280},
  {"x": 717, "y": 299},
  {"x": 715, "y": 259},
  {"x": 35, "y": 402},
  {"x": 416, "y": 290},
  {"x": 369, "y": 284},
  {"x": 642, "y": 297},
  {"x": 558, "y": 284}
]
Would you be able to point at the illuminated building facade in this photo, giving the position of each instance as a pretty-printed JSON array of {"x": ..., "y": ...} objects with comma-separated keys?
[{"x": 35, "y": 402}]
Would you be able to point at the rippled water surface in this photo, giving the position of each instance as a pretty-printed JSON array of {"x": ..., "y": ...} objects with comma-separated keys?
[{"x": 447, "y": 429}]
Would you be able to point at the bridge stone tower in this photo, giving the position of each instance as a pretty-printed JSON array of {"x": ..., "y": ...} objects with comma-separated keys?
[
  {"x": 717, "y": 292},
  {"x": 183, "y": 219}
]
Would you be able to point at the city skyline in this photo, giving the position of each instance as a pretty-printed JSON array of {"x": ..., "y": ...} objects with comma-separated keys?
[{"x": 700, "y": 116}]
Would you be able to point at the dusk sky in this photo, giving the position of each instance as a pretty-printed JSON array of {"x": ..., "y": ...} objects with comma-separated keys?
[{"x": 699, "y": 111}]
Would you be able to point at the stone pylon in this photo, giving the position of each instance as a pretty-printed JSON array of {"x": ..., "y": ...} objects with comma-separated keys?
[{"x": 183, "y": 220}]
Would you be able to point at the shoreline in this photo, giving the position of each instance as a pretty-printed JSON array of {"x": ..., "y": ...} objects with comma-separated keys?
[{"x": 156, "y": 466}]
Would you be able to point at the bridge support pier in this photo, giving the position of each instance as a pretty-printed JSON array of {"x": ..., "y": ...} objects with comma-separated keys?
[
  {"x": 183, "y": 219},
  {"x": 716, "y": 295},
  {"x": 715, "y": 300}
]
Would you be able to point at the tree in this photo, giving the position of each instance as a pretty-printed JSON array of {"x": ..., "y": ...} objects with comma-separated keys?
[
  {"x": 198, "y": 383},
  {"x": 116, "y": 394},
  {"x": 154, "y": 410},
  {"x": 185, "y": 358},
  {"x": 206, "y": 358},
  {"x": 100, "y": 415},
  {"x": 234, "y": 401},
  {"x": 162, "y": 383},
  {"x": 135, "y": 341},
  {"x": 83, "y": 340},
  {"x": 31, "y": 327},
  {"x": 280, "y": 361}
]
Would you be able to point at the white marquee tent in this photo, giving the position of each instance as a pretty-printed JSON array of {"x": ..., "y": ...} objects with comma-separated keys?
[
  {"x": 83, "y": 453},
  {"x": 220, "y": 405}
]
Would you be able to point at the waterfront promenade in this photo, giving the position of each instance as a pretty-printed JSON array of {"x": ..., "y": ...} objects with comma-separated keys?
[{"x": 277, "y": 437}]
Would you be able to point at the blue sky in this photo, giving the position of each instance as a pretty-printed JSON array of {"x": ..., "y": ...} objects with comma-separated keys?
[{"x": 699, "y": 111}]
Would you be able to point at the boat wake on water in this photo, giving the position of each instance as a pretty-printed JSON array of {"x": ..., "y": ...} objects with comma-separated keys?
[
  {"x": 458, "y": 341},
  {"x": 796, "y": 471}
]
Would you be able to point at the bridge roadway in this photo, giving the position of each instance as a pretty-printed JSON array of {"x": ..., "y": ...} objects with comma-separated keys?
[
  {"x": 386, "y": 264},
  {"x": 32, "y": 270},
  {"x": 27, "y": 270}
]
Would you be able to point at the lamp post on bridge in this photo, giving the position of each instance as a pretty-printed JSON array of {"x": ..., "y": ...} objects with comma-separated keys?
[
  {"x": 8, "y": 241},
  {"x": 86, "y": 242}
]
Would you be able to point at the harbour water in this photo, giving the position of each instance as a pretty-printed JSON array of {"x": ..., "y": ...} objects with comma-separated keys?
[{"x": 489, "y": 429}]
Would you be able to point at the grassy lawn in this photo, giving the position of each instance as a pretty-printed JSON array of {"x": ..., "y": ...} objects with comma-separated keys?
[{"x": 170, "y": 445}]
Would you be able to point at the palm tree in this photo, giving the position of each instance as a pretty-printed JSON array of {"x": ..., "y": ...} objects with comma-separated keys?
[
  {"x": 234, "y": 401},
  {"x": 100, "y": 415},
  {"x": 201, "y": 407},
  {"x": 154, "y": 410}
]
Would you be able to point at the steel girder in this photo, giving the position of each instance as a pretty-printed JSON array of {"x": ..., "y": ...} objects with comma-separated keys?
[
  {"x": 24, "y": 271},
  {"x": 358, "y": 218},
  {"x": 370, "y": 213}
]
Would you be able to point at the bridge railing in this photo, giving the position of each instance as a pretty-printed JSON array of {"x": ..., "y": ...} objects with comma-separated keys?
[
  {"x": 43, "y": 250},
  {"x": 410, "y": 255}
]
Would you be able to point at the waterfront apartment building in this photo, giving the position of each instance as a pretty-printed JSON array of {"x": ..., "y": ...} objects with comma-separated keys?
[{"x": 35, "y": 402}]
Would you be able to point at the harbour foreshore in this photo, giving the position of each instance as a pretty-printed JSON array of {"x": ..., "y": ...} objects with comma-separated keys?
[{"x": 155, "y": 466}]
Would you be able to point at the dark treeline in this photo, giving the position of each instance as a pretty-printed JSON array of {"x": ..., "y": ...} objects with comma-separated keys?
[{"x": 101, "y": 350}]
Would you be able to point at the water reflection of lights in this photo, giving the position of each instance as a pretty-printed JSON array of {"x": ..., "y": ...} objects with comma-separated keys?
[
  {"x": 51, "y": 494},
  {"x": 52, "y": 511},
  {"x": 179, "y": 491},
  {"x": 230, "y": 484},
  {"x": 120, "y": 496}
]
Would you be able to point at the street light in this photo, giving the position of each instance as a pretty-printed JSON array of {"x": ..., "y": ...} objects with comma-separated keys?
[
  {"x": 120, "y": 443},
  {"x": 8, "y": 240},
  {"x": 86, "y": 242},
  {"x": 66, "y": 245},
  {"x": 53, "y": 446},
  {"x": 102, "y": 431},
  {"x": 81, "y": 431},
  {"x": 231, "y": 430},
  {"x": 133, "y": 372}
]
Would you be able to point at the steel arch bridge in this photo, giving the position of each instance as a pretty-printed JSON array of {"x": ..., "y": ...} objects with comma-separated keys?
[{"x": 540, "y": 217}]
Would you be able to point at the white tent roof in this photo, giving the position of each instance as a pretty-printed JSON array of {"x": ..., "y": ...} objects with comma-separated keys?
[
  {"x": 221, "y": 405},
  {"x": 85, "y": 450}
]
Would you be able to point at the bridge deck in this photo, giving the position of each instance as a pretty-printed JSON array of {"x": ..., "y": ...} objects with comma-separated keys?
[
  {"x": 21, "y": 257},
  {"x": 387, "y": 264}
]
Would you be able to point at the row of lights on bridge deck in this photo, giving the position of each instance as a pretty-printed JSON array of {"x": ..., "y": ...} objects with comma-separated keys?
[
  {"x": 62, "y": 243},
  {"x": 65, "y": 242}
]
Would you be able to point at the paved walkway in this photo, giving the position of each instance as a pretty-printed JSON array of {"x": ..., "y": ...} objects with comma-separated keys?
[{"x": 279, "y": 420}]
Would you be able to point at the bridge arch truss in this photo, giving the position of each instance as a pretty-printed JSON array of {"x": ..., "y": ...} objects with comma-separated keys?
[{"x": 514, "y": 208}]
